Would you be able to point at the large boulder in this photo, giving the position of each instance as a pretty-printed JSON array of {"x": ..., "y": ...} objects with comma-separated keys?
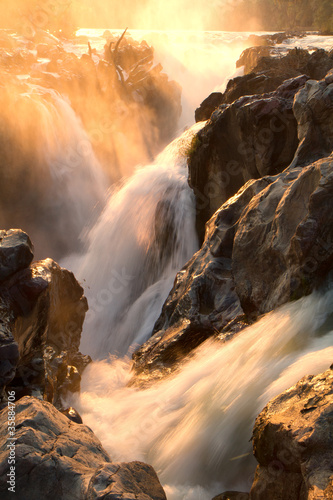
[
  {"x": 57, "y": 458},
  {"x": 293, "y": 443},
  {"x": 49, "y": 307},
  {"x": 253, "y": 137},
  {"x": 313, "y": 110},
  {"x": 16, "y": 252},
  {"x": 42, "y": 309},
  {"x": 266, "y": 68},
  {"x": 267, "y": 245}
]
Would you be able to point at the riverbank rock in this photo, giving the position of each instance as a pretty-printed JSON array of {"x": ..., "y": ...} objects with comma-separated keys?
[
  {"x": 267, "y": 245},
  {"x": 65, "y": 460},
  {"x": 266, "y": 68},
  {"x": 253, "y": 137},
  {"x": 16, "y": 252},
  {"x": 293, "y": 443},
  {"x": 49, "y": 309},
  {"x": 42, "y": 309}
]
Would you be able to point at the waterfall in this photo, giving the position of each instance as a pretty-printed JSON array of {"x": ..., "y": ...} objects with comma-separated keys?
[
  {"x": 49, "y": 152},
  {"x": 195, "y": 426},
  {"x": 144, "y": 236}
]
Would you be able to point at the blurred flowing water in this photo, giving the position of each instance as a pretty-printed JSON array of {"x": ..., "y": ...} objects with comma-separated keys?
[{"x": 195, "y": 426}]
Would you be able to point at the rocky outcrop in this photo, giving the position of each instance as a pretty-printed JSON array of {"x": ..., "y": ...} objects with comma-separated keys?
[
  {"x": 313, "y": 110},
  {"x": 42, "y": 309},
  {"x": 57, "y": 458},
  {"x": 267, "y": 245},
  {"x": 293, "y": 443},
  {"x": 266, "y": 68},
  {"x": 16, "y": 252},
  {"x": 253, "y": 137}
]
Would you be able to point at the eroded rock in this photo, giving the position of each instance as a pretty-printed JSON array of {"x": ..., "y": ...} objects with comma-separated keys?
[
  {"x": 253, "y": 137},
  {"x": 267, "y": 245},
  {"x": 57, "y": 458},
  {"x": 16, "y": 252},
  {"x": 49, "y": 307},
  {"x": 293, "y": 443}
]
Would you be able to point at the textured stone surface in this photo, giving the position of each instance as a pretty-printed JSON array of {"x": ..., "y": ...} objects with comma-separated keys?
[
  {"x": 16, "y": 252},
  {"x": 57, "y": 458},
  {"x": 293, "y": 443},
  {"x": 267, "y": 245},
  {"x": 49, "y": 307},
  {"x": 253, "y": 137}
]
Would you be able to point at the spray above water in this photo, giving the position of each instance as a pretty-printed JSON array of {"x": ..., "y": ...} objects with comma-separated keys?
[{"x": 195, "y": 427}]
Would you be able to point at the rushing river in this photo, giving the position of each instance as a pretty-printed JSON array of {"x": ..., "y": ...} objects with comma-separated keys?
[{"x": 195, "y": 426}]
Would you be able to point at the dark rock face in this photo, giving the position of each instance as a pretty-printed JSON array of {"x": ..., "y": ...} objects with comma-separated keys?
[
  {"x": 57, "y": 458},
  {"x": 42, "y": 309},
  {"x": 253, "y": 137},
  {"x": 207, "y": 106},
  {"x": 49, "y": 309},
  {"x": 267, "y": 245},
  {"x": 292, "y": 441},
  {"x": 232, "y": 495},
  {"x": 313, "y": 110},
  {"x": 16, "y": 252},
  {"x": 265, "y": 70}
]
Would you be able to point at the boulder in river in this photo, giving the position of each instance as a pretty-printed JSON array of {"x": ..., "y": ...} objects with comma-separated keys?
[
  {"x": 58, "y": 458},
  {"x": 293, "y": 443}
]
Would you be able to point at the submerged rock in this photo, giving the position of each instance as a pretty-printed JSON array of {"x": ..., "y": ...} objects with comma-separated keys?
[
  {"x": 57, "y": 458},
  {"x": 293, "y": 443}
]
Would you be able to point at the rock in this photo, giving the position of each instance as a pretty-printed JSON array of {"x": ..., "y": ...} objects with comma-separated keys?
[
  {"x": 65, "y": 460},
  {"x": 253, "y": 137},
  {"x": 313, "y": 110},
  {"x": 9, "y": 352},
  {"x": 48, "y": 308},
  {"x": 16, "y": 252},
  {"x": 293, "y": 442},
  {"x": 283, "y": 244},
  {"x": 265, "y": 70},
  {"x": 134, "y": 480},
  {"x": 267, "y": 245},
  {"x": 72, "y": 414},
  {"x": 232, "y": 495},
  {"x": 207, "y": 106}
]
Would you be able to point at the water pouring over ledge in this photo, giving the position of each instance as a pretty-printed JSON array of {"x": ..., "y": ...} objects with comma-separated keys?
[
  {"x": 195, "y": 426},
  {"x": 145, "y": 234}
]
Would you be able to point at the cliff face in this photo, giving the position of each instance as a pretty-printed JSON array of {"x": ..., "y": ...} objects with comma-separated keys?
[
  {"x": 270, "y": 242},
  {"x": 292, "y": 441}
]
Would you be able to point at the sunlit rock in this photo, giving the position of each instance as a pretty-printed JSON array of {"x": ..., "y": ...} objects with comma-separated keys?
[
  {"x": 292, "y": 440},
  {"x": 64, "y": 459},
  {"x": 269, "y": 244}
]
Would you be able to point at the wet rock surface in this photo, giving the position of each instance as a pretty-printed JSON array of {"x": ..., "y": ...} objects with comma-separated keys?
[
  {"x": 292, "y": 441},
  {"x": 16, "y": 252},
  {"x": 42, "y": 309},
  {"x": 266, "y": 68},
  {"x": 253, "y": 137},
  {"x": 63, "y": 459},
  {"x": 267, "y": 245}
]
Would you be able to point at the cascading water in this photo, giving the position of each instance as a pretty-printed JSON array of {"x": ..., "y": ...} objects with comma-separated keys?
[
  {"x": 143, "y": 237},
  {"x": 195, "y": 426},
  {"x": 66, "y": 181}
]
